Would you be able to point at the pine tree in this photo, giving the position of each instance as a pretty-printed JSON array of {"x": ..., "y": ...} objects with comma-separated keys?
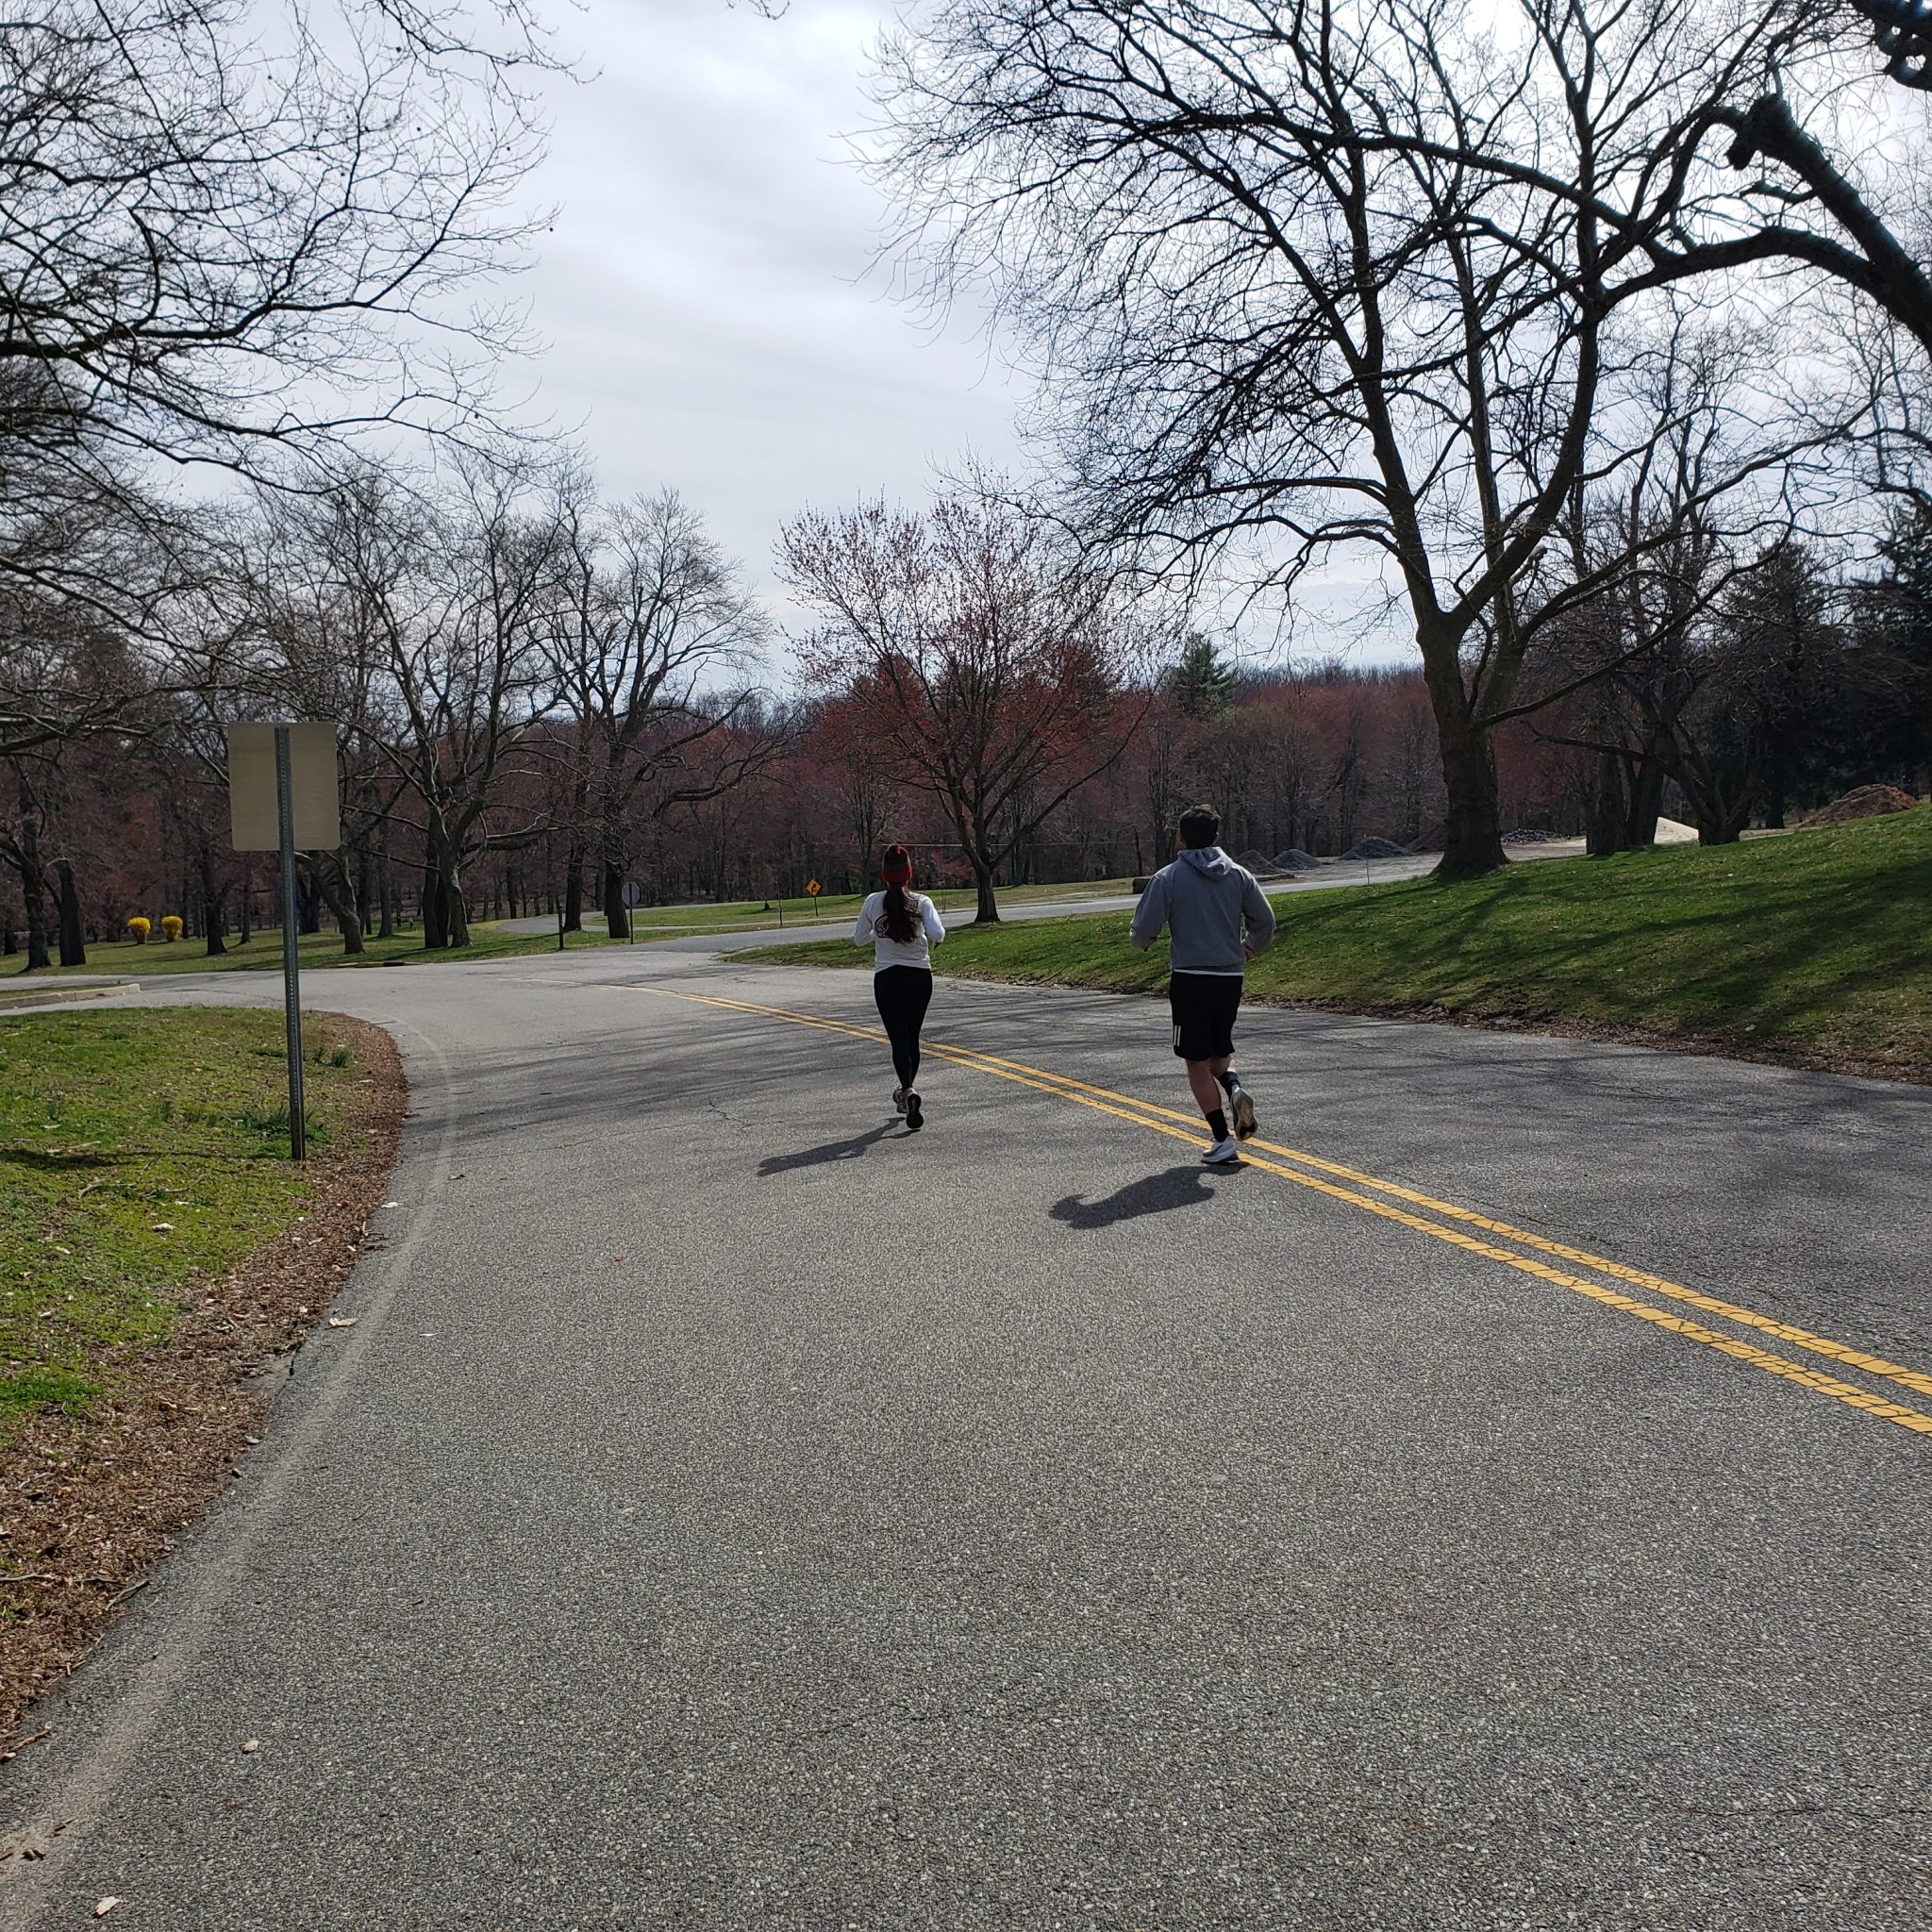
[{"x": 1201, "y": 684}]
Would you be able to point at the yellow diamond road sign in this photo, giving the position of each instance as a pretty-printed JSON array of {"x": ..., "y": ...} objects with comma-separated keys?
[{"x": 811, "y": 886}]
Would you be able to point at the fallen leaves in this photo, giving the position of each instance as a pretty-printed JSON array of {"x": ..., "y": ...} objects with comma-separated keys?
[
  {"x": 106, "y": 1905},
  {"x": 253, "y": 1745},
  {"x": 343, "y": 1321}
]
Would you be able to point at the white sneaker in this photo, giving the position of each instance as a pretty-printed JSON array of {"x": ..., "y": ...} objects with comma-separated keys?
[
  {"x": 1223, "y": 1151},
  {"x": 898, "y": 1100},
  {"x": 1244, "y": 1115}
]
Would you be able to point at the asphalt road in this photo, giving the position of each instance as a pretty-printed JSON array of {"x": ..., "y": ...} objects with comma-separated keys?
[{"x": 731, "y": 1511}]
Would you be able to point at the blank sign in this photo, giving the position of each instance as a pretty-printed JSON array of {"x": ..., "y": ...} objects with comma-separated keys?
[{"x": 311, "y": 786}]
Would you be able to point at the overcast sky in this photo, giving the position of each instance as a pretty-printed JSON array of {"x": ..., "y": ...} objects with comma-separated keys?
[
  {"x": 713, "y": 317},
  {"x": 706, "y": 295}
]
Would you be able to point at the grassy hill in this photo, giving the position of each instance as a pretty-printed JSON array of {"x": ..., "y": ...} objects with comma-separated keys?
[{"x": 1818, "y": 945}]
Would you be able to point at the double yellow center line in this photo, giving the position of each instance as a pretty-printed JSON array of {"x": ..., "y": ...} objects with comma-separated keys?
[{"x": 1443, "y": 1221}]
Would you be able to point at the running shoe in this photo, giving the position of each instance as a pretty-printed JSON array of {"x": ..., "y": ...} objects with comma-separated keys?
[
  {"x": 898, "y": 1100},
  {"x": 1244, "y": 1115},
  {"x": 914, "y": 1120},
  {"x": 1223, "y": 1151}
]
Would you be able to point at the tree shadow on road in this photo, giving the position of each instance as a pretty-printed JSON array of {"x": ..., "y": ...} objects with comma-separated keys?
[
  {"x": 1177, "y": 1187},
  {"x": 819, "y": 1157}
]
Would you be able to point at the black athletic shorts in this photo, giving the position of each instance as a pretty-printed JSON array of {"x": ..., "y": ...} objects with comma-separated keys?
[{"x": 1204, "y": 1006}]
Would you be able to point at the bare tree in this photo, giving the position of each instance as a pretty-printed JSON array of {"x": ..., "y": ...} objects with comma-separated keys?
[
  {"x": 228, "y": 231},
  {"x": 425, "y": 611},
  {"x": 1633, "y": 589},
  {"x": 231, "y": 234},
  {"x": 650, "y": 636},
  {"x": 986, "y": 666},
  {"x": 1343, "y": 273}
]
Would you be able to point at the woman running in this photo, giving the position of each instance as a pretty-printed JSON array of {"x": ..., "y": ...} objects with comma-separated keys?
[{"x": 901, "y": 929}]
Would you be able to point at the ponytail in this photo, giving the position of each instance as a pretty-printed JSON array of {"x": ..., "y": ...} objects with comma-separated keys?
[
  {"x": 897, "y": 923},
  {"x": 900, "y": 923}
]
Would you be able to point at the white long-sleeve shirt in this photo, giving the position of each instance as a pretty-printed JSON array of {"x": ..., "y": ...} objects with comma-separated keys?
[{"x": 927, "y": 931}]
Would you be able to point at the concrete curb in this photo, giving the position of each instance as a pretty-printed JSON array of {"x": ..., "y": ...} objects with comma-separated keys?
[{"x": 66, "y": 996}]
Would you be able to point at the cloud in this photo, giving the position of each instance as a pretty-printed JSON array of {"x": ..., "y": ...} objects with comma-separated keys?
[{"x": 706, "y": 292}]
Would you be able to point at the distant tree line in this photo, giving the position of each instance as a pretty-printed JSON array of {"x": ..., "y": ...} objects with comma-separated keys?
[{"x": 1604, "y": 335}]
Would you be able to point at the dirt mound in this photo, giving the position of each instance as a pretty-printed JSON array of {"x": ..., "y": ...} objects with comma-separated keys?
[
  {"x": 1374, "y": 848},
  {"x": 1435, "y": 839},
  {"x": 1255, "y": 861},
  {"x": 1296, "y": 859},
  {"x": 1866, "y": 802}
]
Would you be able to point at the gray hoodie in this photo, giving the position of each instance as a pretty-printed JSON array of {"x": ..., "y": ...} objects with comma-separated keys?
[{"x": 1210, "y": 906}]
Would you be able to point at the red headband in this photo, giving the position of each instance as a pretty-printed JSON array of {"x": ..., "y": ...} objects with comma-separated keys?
[{"x": 897, "y": 868}]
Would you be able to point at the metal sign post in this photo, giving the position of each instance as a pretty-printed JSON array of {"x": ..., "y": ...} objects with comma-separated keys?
[
  {"x": 291, "y": 971},
  {"x": 281, "y": 795},
  {"x": 633, "y": 898}
]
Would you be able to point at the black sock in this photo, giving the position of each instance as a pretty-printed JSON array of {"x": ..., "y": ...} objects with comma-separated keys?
[
  {"x": 1229, "y": 1081},
  {"x": 1217, "y": 1124}
]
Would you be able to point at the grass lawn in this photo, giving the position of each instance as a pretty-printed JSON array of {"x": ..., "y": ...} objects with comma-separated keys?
[
  {"x": 1822, "y": 942},
  {"x": 839, "y": 908},
  {"x": 489, "y": 940},
  {"x": 142, "y": 1154},
  {"x": 263, "y": 954}
]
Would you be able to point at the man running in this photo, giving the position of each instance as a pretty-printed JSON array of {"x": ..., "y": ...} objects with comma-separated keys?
[{"x": 1217, "y": 921}]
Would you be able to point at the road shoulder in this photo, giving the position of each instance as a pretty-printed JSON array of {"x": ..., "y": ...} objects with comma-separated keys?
[{"x": 96, "y": 1499}]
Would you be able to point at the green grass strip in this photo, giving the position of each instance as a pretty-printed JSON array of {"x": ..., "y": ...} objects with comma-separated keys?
[
  {"x": 263, "y": 954},
  {"x": 1823, "y": 939},
  {"x": 142, "y": 1154}
]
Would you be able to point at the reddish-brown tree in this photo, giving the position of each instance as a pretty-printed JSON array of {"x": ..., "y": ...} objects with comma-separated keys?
[{"x": 977, "y": 657}]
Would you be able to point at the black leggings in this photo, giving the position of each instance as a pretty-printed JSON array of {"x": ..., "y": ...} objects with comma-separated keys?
[{"x": 902, "y": 994}]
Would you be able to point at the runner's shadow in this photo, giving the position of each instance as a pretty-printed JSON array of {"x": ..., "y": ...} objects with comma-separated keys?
[
  {"x": 818, "y": 1156},
  {"x": 1179, "y": 1186}
]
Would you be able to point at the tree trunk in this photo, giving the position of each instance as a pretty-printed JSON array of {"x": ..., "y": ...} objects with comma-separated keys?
[
  {"x": 573, "y": 888},
  {"x": 331, "y": 883},
  {"x": 1472, "y": 845},
  {"x": 435, "y": 921},
  {"x": 1626, "y": 802},
  {"x": 1609, "y": 807},
  {"x": 37, "y": 953},
  {"x": 214, "y": 901},
  {"x": 1646, "y": 800},
  {"x": 25, "y": 854},
  {"x": 73, "y": 939},
  {"x": 615, "y": 915},
  {"x": 453, "y": 915},
  {"x": 987, "y": 910}
]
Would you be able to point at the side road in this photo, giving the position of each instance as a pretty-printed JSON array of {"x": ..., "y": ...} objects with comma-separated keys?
[{"x": 730, "y": 1511}]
